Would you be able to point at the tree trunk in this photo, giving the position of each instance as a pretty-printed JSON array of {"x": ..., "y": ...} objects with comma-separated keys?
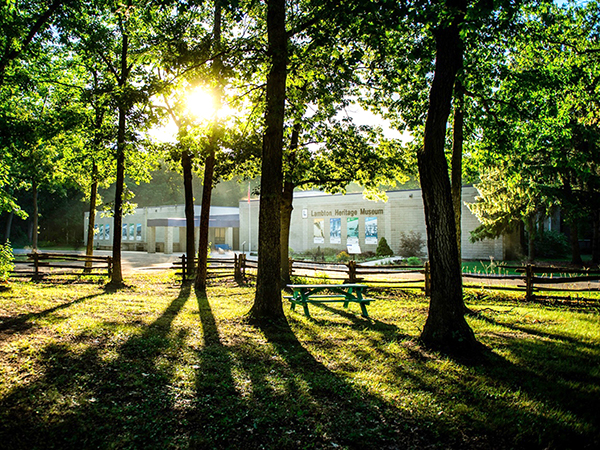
[
  {"x": 531, "y": 230},
  {"x": 267, "y": 302},
  {"x": 209, "y": 169},
  {"x": 89, "y": 250},
  {"x": 8, "y": 229},
  {"x": 575, "y": 250},
  {"x": 446, "y": 328},
  {"x": 287, "y": 207},
  {"x": 116, "y": 280},
  {"x": 117, "y": 272},
  {"x": 596, "y": 237},
  {"x": 190, "y": 245},
  {"x": 35, "y": 218},
  {"x": 457, "y": 151},
  {"x": 209, "y": 165}
]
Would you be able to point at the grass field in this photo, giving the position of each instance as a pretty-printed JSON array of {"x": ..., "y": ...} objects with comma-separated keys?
[{"x": 157, "y": 366}]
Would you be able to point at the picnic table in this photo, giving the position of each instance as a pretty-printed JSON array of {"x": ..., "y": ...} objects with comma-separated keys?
[{"x": 303, "y": 294}]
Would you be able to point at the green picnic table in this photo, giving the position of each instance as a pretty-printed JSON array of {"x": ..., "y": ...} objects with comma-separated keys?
[{"x": 303, "y": 294}]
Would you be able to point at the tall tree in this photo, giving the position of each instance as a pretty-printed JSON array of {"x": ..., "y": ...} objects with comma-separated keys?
[
  {"x": 209, "y": 163},
  {"x": 267, "y": 302}
]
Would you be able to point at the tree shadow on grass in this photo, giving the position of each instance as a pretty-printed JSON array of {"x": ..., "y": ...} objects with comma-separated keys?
[
  {"x": 84, "y": 399},
  {"x": 22, "y": 323}
]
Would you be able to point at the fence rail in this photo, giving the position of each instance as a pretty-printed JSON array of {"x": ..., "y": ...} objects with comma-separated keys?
[
  {"x": 530, "y": 279},
  {"x": 40, "y": 265}
]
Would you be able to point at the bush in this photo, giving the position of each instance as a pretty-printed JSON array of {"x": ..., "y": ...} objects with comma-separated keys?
[
  {"x": 551, "y": 244},
  {"x": 342, "y": 256},
  {"x": 6, "y": 261},
  {"x": 411, "y": 244},
  {"x": 383, "y": 249},
  {"x": 413, "y": 261}
]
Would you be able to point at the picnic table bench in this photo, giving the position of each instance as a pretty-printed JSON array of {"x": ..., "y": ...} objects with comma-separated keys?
[{"x": 303, "y": 294}]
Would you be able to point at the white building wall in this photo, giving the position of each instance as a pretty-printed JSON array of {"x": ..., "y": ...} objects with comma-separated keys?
[{"x": 403, "y": 212}]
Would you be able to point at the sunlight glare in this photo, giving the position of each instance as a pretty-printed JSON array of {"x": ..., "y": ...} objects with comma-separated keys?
[{"x": 201, "y": 104}]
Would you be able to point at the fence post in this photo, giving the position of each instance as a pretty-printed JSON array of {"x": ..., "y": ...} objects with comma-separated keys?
[
  {"x": 528, "y": 282},
  {"x": 243, "y": 266},
  {"x": 237, "y": 269},
  {"x": 183, "y": 268},
  {"x": 36, "y": 265},
  {"x": 110, "y": 266},
  {"x": 291, "y": 268},
  {"x": 351, "y": 271},
  {"x": 427, "y": 273}
]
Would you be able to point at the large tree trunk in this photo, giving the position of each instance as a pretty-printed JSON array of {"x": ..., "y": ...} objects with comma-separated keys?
[
  {"x": 457, "y": 151},
  {"x": 209, "y": 165},
  {"x": 446, "y": 328},
  {"x": 89, "y": 249},
  {"x": 190, "y": 245},
  {"x": 267, "y": 302}
]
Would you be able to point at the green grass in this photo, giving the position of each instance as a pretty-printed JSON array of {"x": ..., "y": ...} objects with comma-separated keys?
[{"x": 156, "y": 366}]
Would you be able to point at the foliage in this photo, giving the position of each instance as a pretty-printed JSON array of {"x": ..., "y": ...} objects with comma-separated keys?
[
  {"x": 342, "y": 256},
  {"x": 135, "y": 369},
  {"x": 6, "y": 261},
  {"x": 551, "y": 244},
  {"x": 383, "y": 248},
  {"x": 411, "y": 244},
  {"x": 413, "y": 261}
]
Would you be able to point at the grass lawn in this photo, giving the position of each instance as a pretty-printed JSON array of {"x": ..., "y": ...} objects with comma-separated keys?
[{"x": 157, "y": 366}]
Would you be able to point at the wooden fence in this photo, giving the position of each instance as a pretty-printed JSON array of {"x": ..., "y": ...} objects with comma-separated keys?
[
  {"x": 237, "y": 267},
  {"x": 531, "y": 280},
  {"x": 40, "y": 265}
]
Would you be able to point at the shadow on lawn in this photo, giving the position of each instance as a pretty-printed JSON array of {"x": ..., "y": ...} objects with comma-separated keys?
[
  {"x": 83, "y": 400},
  {"x": 263, "y": 388},
  {"x": 22, "y": 322}
]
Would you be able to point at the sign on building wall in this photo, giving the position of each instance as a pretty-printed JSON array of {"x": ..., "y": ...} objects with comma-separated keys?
[
  {"x": 107, "y": 231},
  {"x": 370, "y": 230},
  {"x": 131, "y": 231},
  {"x": 319, "y": 231},
  {"x": 101, "y": 231},
  {"x": 335, "y": 230},
  {"x": 124, "y": 231},
  {"x": 352, "y": 230}
]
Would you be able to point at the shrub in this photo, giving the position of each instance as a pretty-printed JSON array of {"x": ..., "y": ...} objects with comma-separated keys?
[
  {"x": 413, "y": 261},
  {"x": 551, "y": 244},
  {"x": 6, "y": 261},
  {"x": 342, "y": 256},
  {"x": 383, "y": 249},
  {"x": 411, "y": 244}
]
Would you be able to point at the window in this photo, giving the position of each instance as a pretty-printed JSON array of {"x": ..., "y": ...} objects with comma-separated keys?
[{"x": 220, "y": 235}]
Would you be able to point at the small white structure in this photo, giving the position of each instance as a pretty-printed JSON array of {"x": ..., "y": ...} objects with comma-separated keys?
[{"x": 162, "y": 229}]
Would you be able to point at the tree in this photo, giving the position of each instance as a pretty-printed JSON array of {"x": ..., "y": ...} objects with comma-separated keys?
[
  {"x": 543, "y": 153},
  {"x": 21, "y": 25},
  {"x": 267, "y": 302},
  {"x": 120, "y": 37}
]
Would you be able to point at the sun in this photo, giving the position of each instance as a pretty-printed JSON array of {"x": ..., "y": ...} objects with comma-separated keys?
[{"x": 201, "y": 104}]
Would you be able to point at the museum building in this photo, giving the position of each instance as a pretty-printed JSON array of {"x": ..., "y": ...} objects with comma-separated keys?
[
  {"x": 319, "y": 220},
  {"x": 337, "y": 221},
  {"x": 162, "y": 229}
]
